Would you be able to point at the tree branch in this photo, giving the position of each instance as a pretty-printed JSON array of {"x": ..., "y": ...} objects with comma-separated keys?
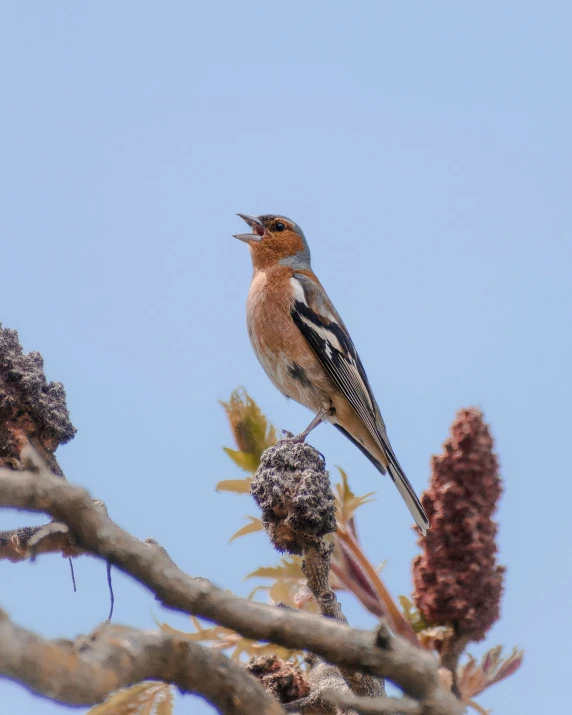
[
  {"x": 383, "y": 655},
  {"x": 16, "y": 544},
  {"x": 378, "y": 706},
  {"x": 28, "y": 541},
  {"x": 316, "y": 567},
  {"x": 86, "y": 671}
]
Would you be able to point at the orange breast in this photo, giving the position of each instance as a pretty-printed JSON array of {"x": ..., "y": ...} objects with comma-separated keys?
[{"x": 280, "y": 347}]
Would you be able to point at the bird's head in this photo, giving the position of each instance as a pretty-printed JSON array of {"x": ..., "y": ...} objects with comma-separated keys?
[{"x": 275, "y": 240}]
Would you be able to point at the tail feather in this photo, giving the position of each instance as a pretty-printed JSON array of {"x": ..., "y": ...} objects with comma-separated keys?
[
  {"x": 410, "y": 498},
  {"x": 376, "y": 463},
  {"x": 398, "y": 477}
]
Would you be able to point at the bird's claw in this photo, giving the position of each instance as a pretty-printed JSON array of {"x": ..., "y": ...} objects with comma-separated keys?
[
  {"x": 292, "y": 438},
  {"x": 298, "y": 439}
]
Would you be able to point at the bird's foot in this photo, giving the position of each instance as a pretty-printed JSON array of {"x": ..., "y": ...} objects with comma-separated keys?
[
  {"x": 297, "y": 439},
  {"x": 292, "y": 438}
]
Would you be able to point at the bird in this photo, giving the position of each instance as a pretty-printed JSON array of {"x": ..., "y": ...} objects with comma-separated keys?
[{"x": 306, "y": 350}]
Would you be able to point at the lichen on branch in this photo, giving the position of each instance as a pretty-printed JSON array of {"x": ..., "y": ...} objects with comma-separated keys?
[{"x": 30, "y": 406}]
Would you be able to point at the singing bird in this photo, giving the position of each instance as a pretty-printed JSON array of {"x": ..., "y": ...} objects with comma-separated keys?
[{"x": 306, "y": 350}]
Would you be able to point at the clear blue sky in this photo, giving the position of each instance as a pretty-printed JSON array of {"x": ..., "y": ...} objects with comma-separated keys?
[{"x": 426, "y": 150}]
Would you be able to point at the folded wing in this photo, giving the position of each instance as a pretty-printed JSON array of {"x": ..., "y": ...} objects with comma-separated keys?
[{"x": 320, "y": 324}]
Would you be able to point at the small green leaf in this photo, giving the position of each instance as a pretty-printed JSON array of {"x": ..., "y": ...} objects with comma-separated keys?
[
  {"x": 251, "y": 430},
  {"x": 412, "y": 615},
  {"x": 245, "y": 460}
]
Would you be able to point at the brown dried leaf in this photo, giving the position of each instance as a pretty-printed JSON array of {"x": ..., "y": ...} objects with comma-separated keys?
[
  {"x": 290, "y": 567},
  {"x": 254, "y": 526},
  {"x": 226, "y": 639},
  {"x": 473, "y": 678},
  {"x": 165, "y": 706},
  {"x": 238, "y": 486},
  {"x": 433, "y": 637},
  {"x": 146, "y": 698},
  {"x": 288, "y": 584},
  {"x": 509, "y": 666},
  {"x": 214, "y": 634}
]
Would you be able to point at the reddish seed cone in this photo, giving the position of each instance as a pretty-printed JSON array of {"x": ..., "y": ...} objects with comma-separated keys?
[{"x": 456, "y": 578}]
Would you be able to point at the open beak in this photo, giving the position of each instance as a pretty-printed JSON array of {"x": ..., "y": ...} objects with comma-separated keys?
[{"x": 257, "y": 229}]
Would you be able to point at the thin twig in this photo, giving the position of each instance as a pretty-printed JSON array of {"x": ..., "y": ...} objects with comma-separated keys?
[
  {"x": 110, "y": 586},
  {"x": 72, "y": 575},
  {"x": 316, "y": 567}
]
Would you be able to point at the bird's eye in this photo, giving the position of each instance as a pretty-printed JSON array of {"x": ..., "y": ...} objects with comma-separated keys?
[{"x": 279, "y": 226}]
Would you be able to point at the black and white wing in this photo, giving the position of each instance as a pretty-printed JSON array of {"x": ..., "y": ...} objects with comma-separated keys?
[
  {"x": 324, "y": 330},
  {"x": 320, "y": 324}
]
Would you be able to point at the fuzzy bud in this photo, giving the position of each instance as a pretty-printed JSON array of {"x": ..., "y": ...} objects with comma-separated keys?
[
  {"x": 456, "y": 578},
  {"x": 292, "y": 489}
]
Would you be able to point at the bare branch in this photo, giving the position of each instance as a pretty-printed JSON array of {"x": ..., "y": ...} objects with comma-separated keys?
[
  {"x": 87, "y": 670},
  {"x": 412, "y": 669},
  {"x": 16, "y": 544},
  {"x": 28, "y": 541},
  {"x": 316, "y": 567}
]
